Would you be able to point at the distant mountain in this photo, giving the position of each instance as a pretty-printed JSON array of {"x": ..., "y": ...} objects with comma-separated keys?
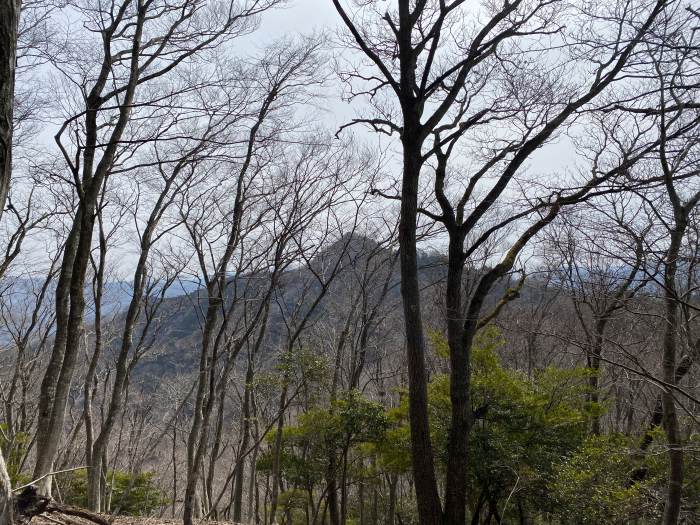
[
  {"x": 176, "y": 329},
  {"x": 181, "y": 318}
]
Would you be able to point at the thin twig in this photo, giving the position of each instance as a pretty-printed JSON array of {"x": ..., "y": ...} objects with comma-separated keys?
[{"x": 505, "y": 505}]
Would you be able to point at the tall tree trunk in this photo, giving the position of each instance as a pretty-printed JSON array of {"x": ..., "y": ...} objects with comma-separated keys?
[
  {"x": 332, "y": 502},
  {"x": 70, "y": 309},
  {"x": 674, "y": 487},
  {"x": 94, "y": 467},
  {"x": 460, "y": 376},
  {"x": 276, "y": 456},
  {"x": 9, "y": 21},
  {"x": 198, "y": 438},
  {"x": 594, "y": 379},
  {"x": 657, "y": 416},
  {"x": 392, "y": 481},
  {"x": 245, "y": 441},
  {"x": 375, "y": 504},
  {"x": 173, "y": 458},
  {"x": 332, "y": 489},
  {"x": 253, "y": 487},
  {"x": 361, "y": 500},
  {"x": 121, "y": 379},
  {"x": 344, "y": 484},
  {"x": 427, "y": 497},
  {"x": 70, "y": 299}
]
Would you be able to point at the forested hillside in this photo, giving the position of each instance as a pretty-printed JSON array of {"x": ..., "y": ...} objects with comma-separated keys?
[{"x": 336, "y": 262}]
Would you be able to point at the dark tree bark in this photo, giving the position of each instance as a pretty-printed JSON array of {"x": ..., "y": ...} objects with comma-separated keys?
[
  {"x": 245, "y": 443},
  {"x": 9, "y": 22},
  {"x": 670, "y": 371},
  {"x": 674, "y": 489},
  {"x": 70, "y": 300},
  {"x": 131, "y": 347},
  {"x": 428, "y": 499}
]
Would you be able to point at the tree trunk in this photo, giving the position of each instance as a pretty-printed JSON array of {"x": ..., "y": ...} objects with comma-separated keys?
[
  {"x": 391, "y": 511},
  {"x": 174, "y": 460},
  {"x": 9, "y": 21},
  {"x": 70, "y": 298},
  {"x": 332, "y": 492},
  {"x": 460, "y": 376},
  {"x": 6, "y": 502},
  {"x": 253, "y": 487},
  {"x": 657, "y": 415},
  {"x": 199, "y": 433},
  {"x": 427, "y": 497},
  {"x": 361, "y": 500},
  {"x": 46, "y": 434},
  {"x": 92, "y": 455},
  {"x": 674, "y": 487},
  {"x": 245, "y": 441},
  {"x": 121, "y": 379},
  {"x": 344, "y": 485},
  {"x": 59, "y": 375},
  {"x": 593, "y": 380},
  {"x": 276, "y": 454}
]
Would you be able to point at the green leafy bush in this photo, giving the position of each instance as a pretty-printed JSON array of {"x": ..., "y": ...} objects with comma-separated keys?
[
  {"x": 594, "y": 484},
  {"x": 15, "y": 453},
  {"x": 128, "y": 494}
]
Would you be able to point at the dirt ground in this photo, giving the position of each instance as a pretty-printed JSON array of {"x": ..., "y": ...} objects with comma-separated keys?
[{"x": 61, "y": 519}]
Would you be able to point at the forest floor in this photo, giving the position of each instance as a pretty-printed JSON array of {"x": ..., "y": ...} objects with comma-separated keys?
[{"x": 57, "y": 518}]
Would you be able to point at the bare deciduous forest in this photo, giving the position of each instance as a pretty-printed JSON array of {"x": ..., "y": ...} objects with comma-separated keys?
[{"x": 350, "y": 262}]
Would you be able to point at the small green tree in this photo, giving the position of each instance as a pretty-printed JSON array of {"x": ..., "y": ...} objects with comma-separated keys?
[
  {"x": 522, "y": 427},
  {"x": 15, "y": 450},
  {"x": 594, "y": 484},
  {"x": 349, "y": 424},
  {"x": 130, "y": 494}
]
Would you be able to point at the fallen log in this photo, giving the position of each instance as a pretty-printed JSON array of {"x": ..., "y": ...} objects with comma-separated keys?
[{"x": 29, "y": 503}]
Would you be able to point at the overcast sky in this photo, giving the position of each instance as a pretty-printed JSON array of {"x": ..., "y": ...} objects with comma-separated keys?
[
  {"x": 307, "y": 16},
  {"x": 302, "y": 15}
]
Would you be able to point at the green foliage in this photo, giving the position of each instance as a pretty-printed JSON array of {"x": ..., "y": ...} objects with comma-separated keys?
[
  {"x": 529, "y": 449},
  {"x": 394, "y": 451},
  {"x": 300, "y": 366},
  {"x": 294, "y": 503},
  {"x": 14, "y": 452},
  {"x": 593, "y": 485},
  {"x": 597, "y": 482},
  {"x": 350, "y": 423},
  {"x": 523, "y": 425},
  {"x": 132, "y": 494},
  {"x": 305, "y": 365}
]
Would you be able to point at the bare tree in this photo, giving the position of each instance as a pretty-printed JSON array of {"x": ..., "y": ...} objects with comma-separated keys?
[
  {"x": 421, "y": 88},
  {"x": 284, "y": 76},
  {"x": 677, "y": 159},
  {"x": 669, "y": 104},
  {"x": 139, "y": 42},
  {"x": 323, "y": 229},
  {"x": 177, "y": 170},
  {"x": 600, "y": 261}
]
